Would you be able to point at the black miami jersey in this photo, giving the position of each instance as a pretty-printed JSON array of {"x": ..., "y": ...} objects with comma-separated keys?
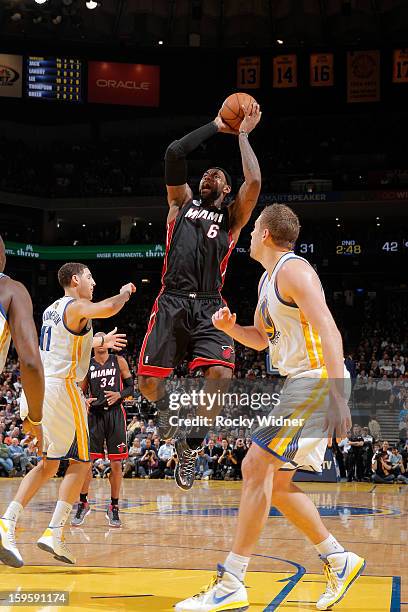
[
  {"x": 198, "y": 245},
  {"x": 104, "y": 377}
]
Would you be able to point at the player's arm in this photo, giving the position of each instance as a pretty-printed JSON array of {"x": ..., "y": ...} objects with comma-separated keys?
[
  {"x": 82, "y": 309},
  {"x": 178, "y": 191},
  {"x": 299, "y": 284},
  {"x": 253, "y": 336},
  {"x": 241, "y": 210},
  {"x": 24, "y": 334},
  {"x": 84, "y": 384},
  {"x": 127, "y": 378}
]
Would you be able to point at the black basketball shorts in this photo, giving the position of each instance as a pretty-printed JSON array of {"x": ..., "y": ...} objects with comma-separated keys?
[
  {"x": 180, "y": 327},
  {"x": 108, "y": 426}
]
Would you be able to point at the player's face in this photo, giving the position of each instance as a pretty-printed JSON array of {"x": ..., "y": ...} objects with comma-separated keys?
[
  {"x": 212, "y": 186},
  {"x": 256, "y": 241},
  {"x": 86, "y": 285}
]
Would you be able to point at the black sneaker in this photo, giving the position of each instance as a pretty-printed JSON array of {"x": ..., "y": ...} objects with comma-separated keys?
[
  {"x": 83, "y": 509},
  {"x": 112, "y": 514},
  {"x": 184, "y": 471}
]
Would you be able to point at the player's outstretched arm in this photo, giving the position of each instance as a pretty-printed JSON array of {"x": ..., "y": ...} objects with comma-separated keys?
[
  {"x": 79, "y": 310},
  {"x": 24, "y": 334},
  {"x": 245, "y": 202},
  {"x": 178, "y": 191},
  {"x": 248, "y": 335}
]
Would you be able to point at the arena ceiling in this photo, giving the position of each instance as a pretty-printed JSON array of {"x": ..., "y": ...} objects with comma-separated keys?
[{"x": 207, "y": 23}]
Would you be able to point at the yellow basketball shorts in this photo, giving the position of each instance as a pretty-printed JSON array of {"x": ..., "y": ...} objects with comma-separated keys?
[
  {"x": 296, "y": 435},
  {"x": 65, "y": 420}
]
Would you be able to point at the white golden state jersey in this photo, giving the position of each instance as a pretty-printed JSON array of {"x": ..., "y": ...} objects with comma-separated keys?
[
  {"x": 65, "y": 354},
  {"x": 5, "y": 335},
  {"x": 294, "y": 346}
]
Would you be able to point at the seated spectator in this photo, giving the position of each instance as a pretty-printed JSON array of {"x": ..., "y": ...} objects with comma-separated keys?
[
  {"x": 132, "y": 463},
  {"x": 165, "y": 452},
  {"x": 202, "y": 468},
  {"x": 6, "y": 461},
  {"x": 150, "y": 462},
  {"x": 32, "y": 455},
  {"x": 101, "y": 468},
  {"x": 383, "y": 391},
  {"x": 397, "y": 465},
  {"x": 226, "y": 462},
  {"x": 171, "y": 466},
  {"x": 381, "y": 468},
  {"x": 213, "y": 454},
  {"x": 151, "y": 427},
  {"x": 20, "y": 459}
]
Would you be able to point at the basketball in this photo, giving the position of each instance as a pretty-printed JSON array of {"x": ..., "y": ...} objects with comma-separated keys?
[{"x": 232, "y": 112}]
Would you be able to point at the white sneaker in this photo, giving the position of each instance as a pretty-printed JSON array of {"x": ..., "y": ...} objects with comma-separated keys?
[
  {"x": 225, "y": 592},
  {"x": 341, "y": 570},
  {"x": 9, "y": 553},
  {"x": 53, "y": 541}
]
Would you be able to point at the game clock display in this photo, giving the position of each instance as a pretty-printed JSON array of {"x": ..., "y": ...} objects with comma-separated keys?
[
  {"x": 54, "y": 78},
  {"x": 352, "y": 247}
]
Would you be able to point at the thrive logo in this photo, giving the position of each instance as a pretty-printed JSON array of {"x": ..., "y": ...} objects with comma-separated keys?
[{"x": 8, "y": 76}]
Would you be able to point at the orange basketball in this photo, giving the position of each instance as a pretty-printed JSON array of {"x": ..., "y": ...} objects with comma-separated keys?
[{"x": 231, "y": 111}]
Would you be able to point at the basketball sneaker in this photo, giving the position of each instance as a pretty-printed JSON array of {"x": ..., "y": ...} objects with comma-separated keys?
[
  {"x": 9, "y": 553},
  {"x": 225, "y": 592},
  {"x": 53, "y": 541},
  {"x": 112, "y": 514},
  {"x": 83, "y": 509},
  {"x": 184, "y": 472},
  {"x": 341, "y": 570}
]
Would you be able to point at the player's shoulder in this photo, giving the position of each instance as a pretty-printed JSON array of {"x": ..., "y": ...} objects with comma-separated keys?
[{"x": 262, "y": 281}]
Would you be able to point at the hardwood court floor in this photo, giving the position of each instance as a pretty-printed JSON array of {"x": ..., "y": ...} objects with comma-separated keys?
[{"x": 171, "y": 541}]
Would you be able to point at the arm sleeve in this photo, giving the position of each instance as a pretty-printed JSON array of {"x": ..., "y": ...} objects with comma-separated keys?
[
  {"x": 177, "y": 151},
  {"x": 128, "y": 388}
]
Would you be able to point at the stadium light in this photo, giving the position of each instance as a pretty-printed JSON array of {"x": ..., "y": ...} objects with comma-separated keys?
[
  {"x": 279, "y": 41},
  {"x": 40, "y": 1},
  {"x": 91, "y": 4}
]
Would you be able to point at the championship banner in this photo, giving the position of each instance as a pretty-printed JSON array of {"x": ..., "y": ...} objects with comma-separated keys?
[
  {"x": 284, "y": 71},
  {"x": 400, "y": 66},
  {"x": 127, "y": 84},
  {"x": 110, "y": 253},
  {"x": 321, "y": 70},
  {"x": 248, "y": 72},
  {"x": 363, "y": 76},
  {"x": 11, "y": 75}
]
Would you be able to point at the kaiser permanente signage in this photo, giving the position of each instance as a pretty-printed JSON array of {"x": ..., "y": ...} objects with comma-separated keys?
[{"x": 67, "y": 253}]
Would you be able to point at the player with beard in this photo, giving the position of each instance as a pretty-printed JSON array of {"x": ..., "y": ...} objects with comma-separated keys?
[{"x": 201, "y": 235}]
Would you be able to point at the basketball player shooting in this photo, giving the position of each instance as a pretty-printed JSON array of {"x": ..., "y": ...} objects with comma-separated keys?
[
  {"x": 292, "y": 320},
  {"x": 109, "y": 382},
  {"x": 201, "y": 235},
  {"x": 66, "y": 341}
]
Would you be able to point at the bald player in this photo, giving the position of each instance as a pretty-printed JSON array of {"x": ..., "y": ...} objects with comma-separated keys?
[{"x": 109, "y": 382}]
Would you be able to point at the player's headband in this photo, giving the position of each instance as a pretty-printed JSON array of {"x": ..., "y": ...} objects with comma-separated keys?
[{"x": 227, "y": 175}]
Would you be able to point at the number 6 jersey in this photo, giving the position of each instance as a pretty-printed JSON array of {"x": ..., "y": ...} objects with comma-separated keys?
[{"x": 64, "y": 353}]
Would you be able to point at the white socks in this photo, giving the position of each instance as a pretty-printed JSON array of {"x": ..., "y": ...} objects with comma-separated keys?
[
  {"x": 329, "y": 546},
  {"x": 237, "y": 565},
  {"x": 61, "y": 514},
  {"x": 13, "y": 511}
]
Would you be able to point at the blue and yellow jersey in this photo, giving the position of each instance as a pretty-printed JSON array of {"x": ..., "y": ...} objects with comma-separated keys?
[{"x": 5, "y": 335}]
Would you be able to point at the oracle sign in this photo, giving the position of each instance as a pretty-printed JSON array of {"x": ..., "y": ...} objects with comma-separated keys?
[{"x": 127, "y": 84}]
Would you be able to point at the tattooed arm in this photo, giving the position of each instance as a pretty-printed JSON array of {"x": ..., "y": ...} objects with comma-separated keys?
[{"x": 245, "y": 202}]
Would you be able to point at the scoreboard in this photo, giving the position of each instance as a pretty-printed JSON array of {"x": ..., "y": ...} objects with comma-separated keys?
[{"x": 54, "y": 78}]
